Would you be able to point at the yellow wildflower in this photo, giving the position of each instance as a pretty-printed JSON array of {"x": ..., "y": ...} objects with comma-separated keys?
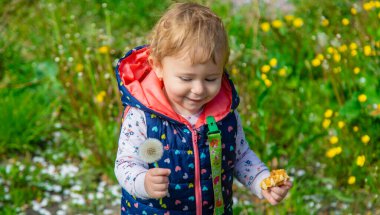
[
  {"x": 273, "y": 62},
  {"x": 326, "y": 123},
  {"x": 367, "y": 6},
  {"x": 79, "y": 67},
  {"x": 356, "y": 70},
  {"x": 100, "y": 96},
  {"x": 329, "y": 113},
  {"x": 345, "y": 21},
  {"x": 320, "y": 56},
  {"x": 265, "y": 68},
  {"x": 362, "y": 98},
  {"x": 337, "y": 69},
  {"x": 360, "y": 160},
  {"x": 289, "y": 18},
  {"x": 365, "y": 139},
  {"x": 336, "y": 57},
  {"x": 334, "y": 140},
  {"x": 377, "y": 44},
  {"x": 355, "y": 128},
  {"x": 330, "y": 50},
  {"x": 333, "y": 152},
  {"x": 367, "y": 50},
  {"x": 316, "y": 62},
  {"x": 343, "y": 48},
  {"x": 282, "y": 72},
  {"x": 353, "y": 46},
  {"x": 297, "y": 22},
  {"x": 378, "y": 15},
  {"x": 325, "y": 22},
  {"x": 354, "y": 53},
  {"x": 234, "y": 71},
  {"x": 351, "y": 180},
  {"x": 103, "y": 49},
  {"x": 264, "y": 76},
  {"x": 268, "y": 82},
  {"x": 353, "y": 11},
  {"x": 265, "y": 26},
  {"x": 341, "y": 124},
  {"x": 277, "y": 23}
]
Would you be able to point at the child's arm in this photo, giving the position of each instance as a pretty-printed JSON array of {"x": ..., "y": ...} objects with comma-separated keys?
[
  {"x": 249, "y": 169},
  {"x": 130, "y": 170}
]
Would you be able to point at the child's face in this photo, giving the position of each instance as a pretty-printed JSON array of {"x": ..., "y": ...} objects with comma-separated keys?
[{"x": 188, "y": 87}]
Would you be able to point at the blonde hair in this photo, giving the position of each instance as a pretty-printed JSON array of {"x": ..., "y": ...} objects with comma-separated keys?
[{"x": 189, "y": 30}]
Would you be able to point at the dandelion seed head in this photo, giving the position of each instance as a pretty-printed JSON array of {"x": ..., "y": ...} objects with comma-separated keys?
[{"x": 151, "y": 150}]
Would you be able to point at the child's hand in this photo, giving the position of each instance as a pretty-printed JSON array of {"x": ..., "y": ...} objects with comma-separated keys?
[
  {"x": 156, "y": 182},
  {"x": 274, "y": 195}
]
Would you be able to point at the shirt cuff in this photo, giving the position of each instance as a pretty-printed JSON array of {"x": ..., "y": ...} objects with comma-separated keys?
[
  {"x": 256, "y": 185},
  {"x": 140, "y": 187}
]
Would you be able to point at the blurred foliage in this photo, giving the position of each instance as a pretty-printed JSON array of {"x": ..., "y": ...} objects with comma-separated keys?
[{"x": 307, "y": 72}]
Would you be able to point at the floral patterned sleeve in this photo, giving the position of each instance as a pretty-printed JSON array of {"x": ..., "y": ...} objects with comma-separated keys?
[
  {"x": 130, "y": 170},
  {"x": 249, "y": 169}
]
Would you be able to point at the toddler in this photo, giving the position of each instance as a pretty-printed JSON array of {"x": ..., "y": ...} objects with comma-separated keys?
[{"x": 176, "y": 90}]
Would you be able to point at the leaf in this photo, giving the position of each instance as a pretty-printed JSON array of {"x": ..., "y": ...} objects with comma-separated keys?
[{"x": 351, "y": 109}]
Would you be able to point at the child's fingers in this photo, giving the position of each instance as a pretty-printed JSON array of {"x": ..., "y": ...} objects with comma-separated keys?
[
  {"x": 160, "y": 187},
  {"x": 281, "y": 191},
  {"x": 276, "y": 196},
  {"x": 269, "y": 197},
  {"x": 160, "y": 172}
]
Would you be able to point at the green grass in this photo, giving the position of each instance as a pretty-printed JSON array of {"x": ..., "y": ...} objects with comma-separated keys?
[{"x": 60, "y": 101}]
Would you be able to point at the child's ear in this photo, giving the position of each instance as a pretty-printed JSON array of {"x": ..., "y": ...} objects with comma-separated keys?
[{"x": 157, "y": 67}]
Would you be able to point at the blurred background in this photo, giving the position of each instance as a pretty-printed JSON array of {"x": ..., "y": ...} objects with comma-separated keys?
[{"x": 307, "y": 73}]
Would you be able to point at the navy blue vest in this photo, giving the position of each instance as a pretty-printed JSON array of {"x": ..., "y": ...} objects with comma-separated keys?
[{"x": 178, "y": 155}]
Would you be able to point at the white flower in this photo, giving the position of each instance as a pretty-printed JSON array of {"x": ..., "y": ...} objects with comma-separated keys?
[{"x": 151, "y": 150}]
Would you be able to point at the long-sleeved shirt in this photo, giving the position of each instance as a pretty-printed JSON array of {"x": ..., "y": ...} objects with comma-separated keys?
[{"x": 130, "y": 170}]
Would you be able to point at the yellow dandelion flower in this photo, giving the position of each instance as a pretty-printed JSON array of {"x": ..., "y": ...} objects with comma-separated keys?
[
  {"x": 336, "y": 57},
  {"x": 79, "y": 67},
  {"x": 289, "y": 18},
  {"x": 316, "y": 62},
  {"x": 264, "y": 76},
  {"x": 328, "y": 113},
  {"x": 362, "y": 98},
  {"x": 282, "y": 72},
  {"x": 326, "y": 123},
  {"x": 330, "y": 50},
  {"x": 341, "y": 124},
  {"x": 265, "y": 68},
  {"x": 100, "y": 96},
  {"x": 354, "y": 53},
  {"x": 297, "y": 22},
  {"x": 351, "y": 180},
  {"x": 320, "y": 56},
  {"x": 334, "y": 140},
  {"x": 365, "y": 139},
  {"x": 103, "y": 49},
  {"x": 273, "y": 62},
  {"x": 353, "y": 11},
  {"x": 265, "y": 26},
  {"x": 360, "y": 160},
  {"x": 355, "y": 128},
  {"x": 268, "y": 82},
  {"x": 378, "y": 15},
  {"x": 353, "y": 46},
  {"x": 367, "y": 50},
  {"x": 377, "y": 44},
  {"x": 345, "y": 21},
  {"x": 343, "y": 48},
  {"x": 234, "y": 71},
  {"x": 337, "y": 70},
  {"x": 325, "y": 22},
  {"x": 277, "y": 23},
  {"x": 367, "y": 6},
  {"x": 333, "y": 152},
  {"x": 356, "y": 70}
]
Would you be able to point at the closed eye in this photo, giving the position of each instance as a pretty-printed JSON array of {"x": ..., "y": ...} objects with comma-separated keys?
[{"x": 185, "y": 79}]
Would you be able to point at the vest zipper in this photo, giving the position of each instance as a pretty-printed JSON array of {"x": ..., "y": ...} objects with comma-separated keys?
[{"x": 197, "y": 183}]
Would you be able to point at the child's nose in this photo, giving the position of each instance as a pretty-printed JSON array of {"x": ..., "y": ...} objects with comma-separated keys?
[{"x": 198, "y": 88}]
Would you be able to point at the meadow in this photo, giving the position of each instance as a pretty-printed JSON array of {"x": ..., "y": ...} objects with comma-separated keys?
[{"x": 307, "y": 72}]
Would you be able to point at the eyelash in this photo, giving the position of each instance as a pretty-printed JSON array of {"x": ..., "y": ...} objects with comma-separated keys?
[{"x": 189, "y": 79}]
